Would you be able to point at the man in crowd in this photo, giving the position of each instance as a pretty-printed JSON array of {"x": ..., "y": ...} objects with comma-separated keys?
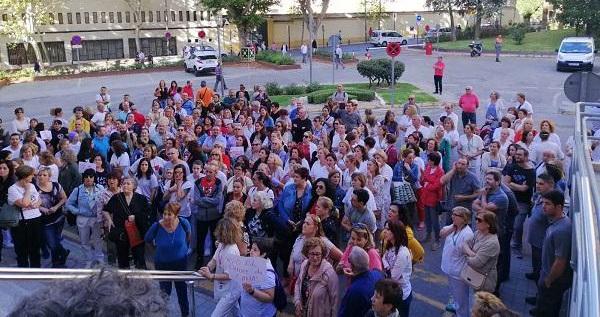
[
  {"x": 463, "y": 186},
  {"x": 359, "y": 213},
  {"x": 300, "y": 125},
  {"x": 350, "y": 116},
  {"x": 362, "y": 284},
  {"x": 14, "y": 146},
  {"x": 78, "y": 115},
  {"x": 492, "y": 198},
  {"x": 520, "y": 178},
  {"x": 214, "y": 137},
  {"x": 469, "y": 102},
  {"x": 101, "y": 142},
  {"x": 556, "y": 275},
  {"x": 417, "y": 125},
  {"x": 385, "y": 299},
  {"x": 98, "y": 117},
  {"x": 524, "y": 104},
  {"x": 103, "y": 98}
]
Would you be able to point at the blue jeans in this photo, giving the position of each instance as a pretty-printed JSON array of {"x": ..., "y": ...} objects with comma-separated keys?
[
  {"x": 180, "y": 287},
  {"x": 468, "y": 117},
  {"x": 404, "y": 308},
  {"x": 52, "y": 236},
  {"x": 432, "y": 221},
  {"x": 524, "y": 210}
]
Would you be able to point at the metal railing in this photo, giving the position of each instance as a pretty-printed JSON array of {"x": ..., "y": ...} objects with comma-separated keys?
[
  {"x": 584, "y": 213},
  {"x": 34, "y": 274}
]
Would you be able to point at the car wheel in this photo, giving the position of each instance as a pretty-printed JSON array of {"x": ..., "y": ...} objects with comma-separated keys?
[
  {"x": 404, "y": 42},
  {"x": 558, "y": 68},
  {"x": 196, "y": 72},
  {"x": 185, "y": 68},
  {"x": 384, "y": 43}
]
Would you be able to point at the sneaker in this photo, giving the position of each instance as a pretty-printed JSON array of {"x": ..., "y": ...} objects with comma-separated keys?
[
  {"x": 532, "y": 276},
  {"x": 531, "y": 300}
]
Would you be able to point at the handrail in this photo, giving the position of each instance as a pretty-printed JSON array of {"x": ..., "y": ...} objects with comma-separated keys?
[
  {"x": 585, "y": 212},
  {"x": 36, "y": 274}
]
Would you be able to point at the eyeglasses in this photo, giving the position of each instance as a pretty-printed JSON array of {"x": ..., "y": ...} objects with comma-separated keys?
[
  {"x": 256, "y": 144},
  {"x": 320, "y": 187},
  {"x": 315, "y": 254}
]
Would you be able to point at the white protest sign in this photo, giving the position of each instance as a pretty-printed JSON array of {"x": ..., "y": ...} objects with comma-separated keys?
[
  {"x": 85, "y": 165},
  {"x": 245, "y": 269},
  {"x": 46, "y": 135},
  {"x": 236, "y": 151}
]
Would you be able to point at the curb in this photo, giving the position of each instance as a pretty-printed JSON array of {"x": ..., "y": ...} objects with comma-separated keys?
[
  {"x": 491, "y": 53},
  {"x": 278, "y": 67}
]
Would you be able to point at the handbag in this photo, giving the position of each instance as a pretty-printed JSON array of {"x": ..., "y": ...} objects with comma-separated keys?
[
  {"x": 9, "y": 216},
  {"x": 131, "y": 229},
  {"x": 403, "y": 193},
  {"x": 472, "y": 277}
]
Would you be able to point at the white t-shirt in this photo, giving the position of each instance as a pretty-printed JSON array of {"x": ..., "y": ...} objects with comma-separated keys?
[
  {"x": 228, "y": 287},
  {"x": 15, "y": 153},
  {"x": 400, "y": 266},
  {"x": 453, "y": 258},
  {"x": 54, "y": 170},
  {"x": 121, "y": 161},
  {"x": 186, "y": 210},
  {"x": 33, "y": 163},
  {"x": 320, "y": 171},
  {"x": 16, "y": 192},
  {"x": 98, "y": 118},
  {"x": 425, "y": 131},
  {"x": 145, "y": 185}
]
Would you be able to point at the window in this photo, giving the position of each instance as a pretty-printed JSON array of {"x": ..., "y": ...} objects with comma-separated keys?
[
  {"x": 78, "y": 18},
  {"x": 143, "y": 13},
  {"x": 95, "y": 17},
  {"x": 195, "y": 16},
  {"x": 165, "y": 13},
  {"x": 60, "y": 18},
  {"x": 150, "y": 16},
  {"x": 119, "y": 17},
  {"x": 111, "y": 17},
  {"x": 103, "y": 17},
  {"x": 201, "y": 15},
  {"x": 51, "y": 18},
  {"x": 207, "y": 15},
  {"x": 187, "y": 16},
  {"x": 86, "y": 17},
  {"x": 180, "y": 16},
  {"x": 101, "y": 49},
  {"x": 157, "y": 46},
  {"x": 157, "y": 16},
  {"x": 18, "y": 54},
  {"x": 127, "y": 17},
  {"x": 70, "y": 18},
  {"x": 172, "y": 16}
]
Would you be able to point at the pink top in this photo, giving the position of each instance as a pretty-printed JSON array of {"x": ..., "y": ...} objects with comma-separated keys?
[
  {"x": 468, "y": 103},
  {"x": 374, "y": 258},
  {"x": 438, "y": 68}
]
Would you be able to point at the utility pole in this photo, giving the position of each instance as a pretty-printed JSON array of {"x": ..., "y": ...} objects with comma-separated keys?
[
  {"x": 219, "y": 24},
  {"x": 310, "y": 52},
  {"x": 366, "y": 30}
]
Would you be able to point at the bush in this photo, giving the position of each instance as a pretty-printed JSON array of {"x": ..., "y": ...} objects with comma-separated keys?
[
  {"x": 468, "y": 33},
  {"x": 380, "y": 70},
  {"x": 517, "y": 33},
  {"x": 293, "y": 89},
  {"x": 273, "y": 89},
  {"x": 274, "y": 58},
  {"x": 314, "y": 86},
  {"x": 321, "y": 96}
]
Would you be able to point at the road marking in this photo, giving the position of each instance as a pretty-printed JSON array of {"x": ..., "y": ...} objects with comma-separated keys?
[
  {"x": 437, "y": 304},
  {"x": 431, "y": 277}
]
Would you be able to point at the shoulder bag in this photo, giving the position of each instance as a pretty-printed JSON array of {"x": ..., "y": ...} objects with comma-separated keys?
[
  {"x": 403, "y": 193},
  {"x": 10, "y": 216},
  {"x": 131, "y": 228},
  {"x": 473, "y": 277}
]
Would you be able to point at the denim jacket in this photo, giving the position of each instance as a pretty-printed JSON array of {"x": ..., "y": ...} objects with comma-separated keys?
[
  {"x": 285, "y": 206},
  {"x": 81, "y": 204}
]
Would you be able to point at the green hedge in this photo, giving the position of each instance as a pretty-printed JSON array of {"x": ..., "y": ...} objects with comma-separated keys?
[
  {"x": 328, "y": 54},
  {"x": 274, "y": 58},
  {"x": 321, "y": 96}
]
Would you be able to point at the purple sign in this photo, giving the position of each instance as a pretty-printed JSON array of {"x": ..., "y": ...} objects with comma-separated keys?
[
  {"x": 76, "y": 40},
  {"x": 168, "y": 35}
]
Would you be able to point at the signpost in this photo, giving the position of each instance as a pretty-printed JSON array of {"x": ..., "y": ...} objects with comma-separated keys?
[
  {"x": 76, "y": 44},
  {"x": 334, "y": 40},
  {"x": 583, "y": 87},
  {"x": 437, "y": 34},
  {"x": 418, "y": 22},
  {"x": 393, "y": 50},
  {"x": 201, "y": 35}
]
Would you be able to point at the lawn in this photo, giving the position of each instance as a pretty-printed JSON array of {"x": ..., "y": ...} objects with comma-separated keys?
[
  {"x": 403, "y": 90},
  {"x": 544, "y": 41}
]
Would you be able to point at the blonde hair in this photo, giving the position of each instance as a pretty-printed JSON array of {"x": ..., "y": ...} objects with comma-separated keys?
[
  {"x": 28, "y": 146},
  {"x": 487, "y": 304},
  {"x": 276, "y": 159},
  {"x": 235, "y": 210},
  {"x": 228, "y": 232},
  {"x": 173, "y": 208},
  {"x": 411, "y": 111},
  {"x": 464, "y": 213},
  {"x": 264, "y": 199}
]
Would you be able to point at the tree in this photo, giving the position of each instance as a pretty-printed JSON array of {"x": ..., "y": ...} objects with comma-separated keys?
[
  {"x": 313, "y": 21},
  {"x": 136, "y": 7},
  {"x": 481, "y": 9},
  {"x": 582, "y": 14},
  {"x": 375, "y": 11},
  {"x": 529, "y": 9},
  {"x": 24, "y": 21},
  {"x": 245, "y": 14},
  {"x": 445, "y": 5}
]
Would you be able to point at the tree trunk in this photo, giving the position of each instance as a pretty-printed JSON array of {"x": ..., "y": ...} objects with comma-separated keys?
[
  {"x": 302, "y": 35},
  {"x": 45, "y": 50},
  {"x": 138, "y": 45},
  {"x": 36, "y": 50},
  {"x": 243, "y": 35},
  {"x": 477, "y": 26},
  {"x": 451, "y": 14}
]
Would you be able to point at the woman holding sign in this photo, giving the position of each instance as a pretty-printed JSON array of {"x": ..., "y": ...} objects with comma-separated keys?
[
  {"x": 257, "y": 298},
  {"x": 227, "y": 291}
]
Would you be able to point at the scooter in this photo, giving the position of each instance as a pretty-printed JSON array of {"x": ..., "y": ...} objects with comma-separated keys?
[{"x": 476, "y": 48}]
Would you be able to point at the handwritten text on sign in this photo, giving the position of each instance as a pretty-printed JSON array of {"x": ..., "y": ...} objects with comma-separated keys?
[{"x": 245, "y": 269}]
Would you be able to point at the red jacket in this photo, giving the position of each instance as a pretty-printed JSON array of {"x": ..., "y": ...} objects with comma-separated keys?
[{"x": 431, "y": 193}]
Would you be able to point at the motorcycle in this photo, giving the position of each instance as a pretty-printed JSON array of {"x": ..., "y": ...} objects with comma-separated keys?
[{"x": 476, "y": 48}]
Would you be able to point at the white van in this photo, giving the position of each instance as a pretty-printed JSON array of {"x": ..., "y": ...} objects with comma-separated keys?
[
  {"x": 576, "y": 53},
  {"x": 200, "y": 61},
  {"x": 383, "y": 37}
]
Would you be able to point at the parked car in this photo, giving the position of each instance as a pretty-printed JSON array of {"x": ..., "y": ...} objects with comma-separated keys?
[
  {"x": 383, "y": 37},
  {"x": 203, "y": 47},
  {"x": 443, "y": 32},
  {"x": 200, "y": 61},
  {"x": 576, "y": 53}
]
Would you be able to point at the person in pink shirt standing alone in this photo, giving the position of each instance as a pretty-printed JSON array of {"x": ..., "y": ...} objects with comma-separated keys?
[
  {"x": 438, "y": 73},
  {"x": 469, "y": 104}
]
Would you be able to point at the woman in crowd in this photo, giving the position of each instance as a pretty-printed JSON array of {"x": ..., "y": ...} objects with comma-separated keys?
[
  {"x": 227, "y": 291},
  {"x": 27, "y": 235},
  {"x": 237, "y": 193},
  {"x": 86, "y": 151},
  {"x": 48, "y": 160},
  {"x": 335, "y": 179},
  {"x": 20, "y": 123},
  {"x": 548, "y": 126},
  {"x": 7, "y": 179},
  {"x": 171, "y": 237},
  {"x": 311, "y": 228},
  {"x": 262, "y": 183},
  {"x": 397, "y": 261},
  {"x": 527, "y": 125},
  {"x": 488, "y": 305},
  {"x": 451, "y": 135},
  {"x": 101, "y": 171},
  {"x": 362, "y": 238},
  {"x": 147, "y": 181},
  {"x": 453, "y": 258},
  {"x": 53, "y": 199},
  {"x": 470, "y": 145},
  {"x": 431, "y": 195},
  {"x": 113, "y": 186},
  {"x": 178, "y": 191},
  {"x": 527, "y": 140},
  {"x": 326, "y": 211},
  {"x": 510, "y": 153},
  {"x": 316, "y": 289},
  {"x": 482, "y": 250},
  {"x": 236, "y": 211},
  {"x": 321, "y": 188},
  {"x": 29, "y": 156},
  {"x": 401, "y": 213},
  {"x": 277, "y": 174},
  {"x": 257, "y": 298},
  {"x": 123, "y": 210},
  {"x": 376, "y": 183},
  {"x": 492, "y": 159}
]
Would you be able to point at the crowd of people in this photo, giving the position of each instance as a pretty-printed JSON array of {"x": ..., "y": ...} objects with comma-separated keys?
[{"x": 331, "y": 198}]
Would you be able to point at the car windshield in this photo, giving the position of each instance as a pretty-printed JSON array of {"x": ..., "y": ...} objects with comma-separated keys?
[
  {"x": 205, "y": 57},
  {"x": 576, "y": 47},
  {"x": 394, "y": 34}
]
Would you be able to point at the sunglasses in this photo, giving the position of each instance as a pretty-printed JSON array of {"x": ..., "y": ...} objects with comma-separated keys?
[{"x": 320, "y": 187}]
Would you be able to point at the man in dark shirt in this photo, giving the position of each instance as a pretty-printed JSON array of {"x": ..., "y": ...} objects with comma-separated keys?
[
  {"x": 463, "y": 187},
  {"x": 349, "y": 115},
  {"x": 556, "y": 275},
  {"x": 300, "y": 125},
  {"x": 520, "y": 178}
]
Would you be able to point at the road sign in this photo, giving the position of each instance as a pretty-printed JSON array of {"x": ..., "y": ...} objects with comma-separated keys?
[
  {"x": 583, "y": 86},
  {"x": 247, "y": 54},
  {"x": 419, "y": 19},
  {"x": 76, "y": 40},
  {"x": 393, "y": 49},
  {"x": 201, "y": 34},
  {"x": 168, "y": 35}
]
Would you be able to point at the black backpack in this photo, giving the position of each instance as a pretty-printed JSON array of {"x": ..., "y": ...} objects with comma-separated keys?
[{"x": 279, "y": 298}]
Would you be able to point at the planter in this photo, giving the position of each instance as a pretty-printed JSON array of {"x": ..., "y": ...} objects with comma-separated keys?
[{"x": 278, "y": 67}]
